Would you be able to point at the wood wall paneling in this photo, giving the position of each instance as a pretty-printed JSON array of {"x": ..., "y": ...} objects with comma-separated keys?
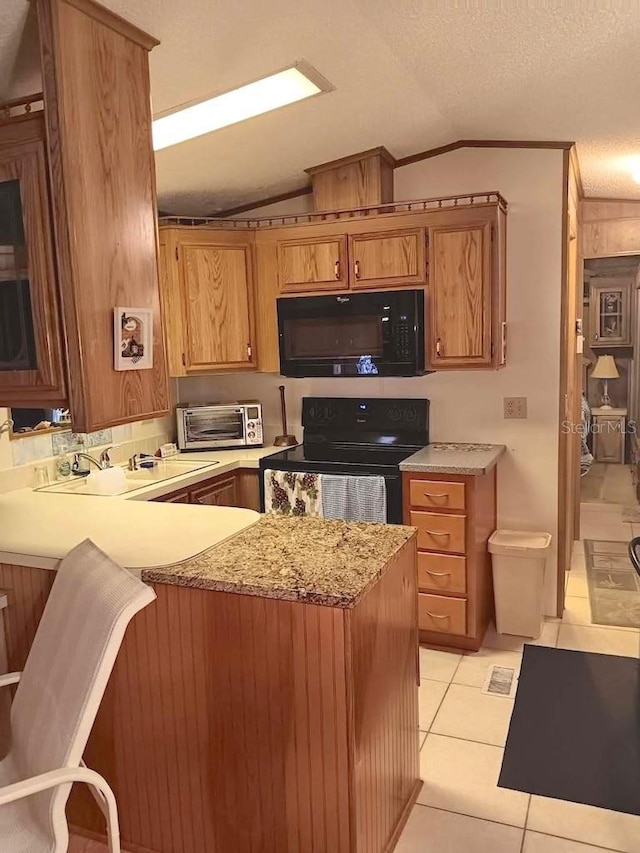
[
  {"x": 270, "y": 726},
  {"x": 96, "y": 86},
  {"x": 381, "y": 679}
]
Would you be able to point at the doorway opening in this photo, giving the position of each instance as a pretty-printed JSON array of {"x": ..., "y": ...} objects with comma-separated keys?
[{"x": 611, "y": 406}]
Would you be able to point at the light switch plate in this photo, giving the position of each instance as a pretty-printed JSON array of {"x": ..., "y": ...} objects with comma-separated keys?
[{"x": 515, "y": 407}]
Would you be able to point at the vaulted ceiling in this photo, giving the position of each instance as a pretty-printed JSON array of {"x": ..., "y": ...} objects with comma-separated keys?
[{"x": 408, "y": 74}]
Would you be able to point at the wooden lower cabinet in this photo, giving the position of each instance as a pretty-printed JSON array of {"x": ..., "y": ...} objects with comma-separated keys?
[
  {"x": 238, "y": 488},
  {"x": 455, "y": 515},
  {"x": 237, "y": 724}
]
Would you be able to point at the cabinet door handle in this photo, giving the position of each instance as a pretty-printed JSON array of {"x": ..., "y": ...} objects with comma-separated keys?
[
  {"x": 437, "y": 615},
  {"x": 435, "y": 495},
  {"x": 356, "y": 269},
  {"x": 437, "y": 532},
  {"x": 249, "y": 351},
  {"x": 336, "y": 269},
  {"x": 438, "y": 347},
  {"x": 438, "y": 574}
]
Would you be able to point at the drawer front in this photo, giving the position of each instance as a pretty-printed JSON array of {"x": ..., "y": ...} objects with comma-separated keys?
[
  {"x": 438, "y": 532},
  {"x": 442, "y": 613},
  {"x": 442, "y": 573},
  {"x": 436, "y": 495}
]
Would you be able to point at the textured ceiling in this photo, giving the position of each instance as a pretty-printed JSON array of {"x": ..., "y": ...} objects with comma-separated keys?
[{"x": 409, "y": 74}]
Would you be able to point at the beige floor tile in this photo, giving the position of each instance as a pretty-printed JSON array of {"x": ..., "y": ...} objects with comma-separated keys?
[
  {"x": 474, "y": 667},
  {"x": 599, "y": 827},
  {"x": 434, "y": 831},
  {"x": 509, "y": 643},
  {"x": 577, "y": 611},
  {"x": 577, "y": 585},
  {"x": 467, "y": 712},
  {"x": 438, "y": 666},
  {"x": 430, "y": 696},
  {"x": 602, "y": 640},
  {"x": 460, "y": 776},
  {"x": 578, "y": 563},
  {"x": 535, "y": 842}
]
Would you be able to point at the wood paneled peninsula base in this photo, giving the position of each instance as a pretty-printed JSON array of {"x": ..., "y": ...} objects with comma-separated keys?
[{"x": 268, "y": 700}]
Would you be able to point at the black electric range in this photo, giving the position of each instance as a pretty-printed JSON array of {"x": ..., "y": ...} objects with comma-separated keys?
[{"x": 357, "y": 435}]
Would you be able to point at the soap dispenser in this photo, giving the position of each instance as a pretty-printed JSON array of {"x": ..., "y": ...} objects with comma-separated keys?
[{"x": 63, "y": 464}]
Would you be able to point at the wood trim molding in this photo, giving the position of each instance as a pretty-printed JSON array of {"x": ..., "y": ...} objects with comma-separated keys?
[
  {"x": 480, "y": 143},
  {"x": 380, "y": 151},
  {"x": 254, "y": 205},
  {"x": 563, "y": 437},
  {"x": 575, "y": 163},
  {"x": 115, "y": 22}
]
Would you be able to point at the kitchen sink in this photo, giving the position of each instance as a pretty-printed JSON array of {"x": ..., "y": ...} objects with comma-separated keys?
[{"x": 165, "y": 469}]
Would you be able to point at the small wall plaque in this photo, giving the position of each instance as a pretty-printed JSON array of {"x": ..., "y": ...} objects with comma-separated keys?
[{"x": 133, "y": 338}]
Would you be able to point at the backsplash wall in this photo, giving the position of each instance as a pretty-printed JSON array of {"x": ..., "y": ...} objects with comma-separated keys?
[{"x": 18, "y": 457}]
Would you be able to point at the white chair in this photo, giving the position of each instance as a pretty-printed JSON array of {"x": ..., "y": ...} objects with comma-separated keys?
[{"x": 90, "y": 605}]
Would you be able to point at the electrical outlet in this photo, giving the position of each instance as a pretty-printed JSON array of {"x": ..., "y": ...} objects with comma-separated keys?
[{"x": 515, "y": 407}]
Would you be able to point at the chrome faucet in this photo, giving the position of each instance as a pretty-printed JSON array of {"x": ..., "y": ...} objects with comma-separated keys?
[
  {"x": 78, "y": 456},
  {"x": 105, "y": 459}
]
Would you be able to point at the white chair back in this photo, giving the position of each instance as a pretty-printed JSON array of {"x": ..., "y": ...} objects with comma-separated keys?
[{"x": 90, "y": 605}]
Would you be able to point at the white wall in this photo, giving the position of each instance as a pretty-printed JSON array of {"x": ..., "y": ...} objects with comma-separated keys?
[{"x": 468, "y": 405}]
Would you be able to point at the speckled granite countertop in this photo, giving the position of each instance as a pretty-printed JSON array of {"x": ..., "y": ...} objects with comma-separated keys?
[
  {"x": 298, "y": 559},
  {"x": 439, "y": 458}
]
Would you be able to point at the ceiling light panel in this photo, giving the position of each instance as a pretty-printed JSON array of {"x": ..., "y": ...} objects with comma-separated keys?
[{"x": 270, "y": 93}]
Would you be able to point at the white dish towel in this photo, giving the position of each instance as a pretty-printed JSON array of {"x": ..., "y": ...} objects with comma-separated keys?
[{"x": 354, "y": 498}]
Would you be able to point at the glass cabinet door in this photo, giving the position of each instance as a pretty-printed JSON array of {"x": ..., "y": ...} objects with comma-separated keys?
[
  {"x": 31, "y": 367},
  {"x": 610, "y": 314},
  {"x": 17, "y": 340}
]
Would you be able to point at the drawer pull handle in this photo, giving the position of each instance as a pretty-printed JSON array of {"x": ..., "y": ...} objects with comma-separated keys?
[
  {"x": 439, "y": 574},
  {"x": 435, "y": 495},
  {"x": 437, "y": 532},
  {"x": 437, "y": 615}
]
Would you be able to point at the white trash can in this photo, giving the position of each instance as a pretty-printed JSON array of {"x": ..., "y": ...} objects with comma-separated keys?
[{"x": 518, "y": 558}]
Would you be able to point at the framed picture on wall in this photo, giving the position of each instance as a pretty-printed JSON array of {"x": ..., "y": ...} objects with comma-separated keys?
[{"x": 133, "y": 338}]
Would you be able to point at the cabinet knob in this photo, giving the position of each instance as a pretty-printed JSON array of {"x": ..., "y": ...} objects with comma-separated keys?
[
  {"x": 438, "y": 347},
  {"x": 336, "y": 269},
  {"x": 356, "y": 269},
  {"x": 249, "y": 351}
]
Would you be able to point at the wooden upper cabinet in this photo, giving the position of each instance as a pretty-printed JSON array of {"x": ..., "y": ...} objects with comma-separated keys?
[
  {"x": 319, "y": 263},
  {"x": 31, "y": 363},
  {"x": 460, "y": 288},
  {"x": 216, "y": 283},
  {"x": 610, "y": 313},
  {"x": 387, "y": 259},
  {"x": 95, "y": 69}
]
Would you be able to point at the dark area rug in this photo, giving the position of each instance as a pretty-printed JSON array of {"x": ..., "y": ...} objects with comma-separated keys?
[{"x": 575, "y": 729}]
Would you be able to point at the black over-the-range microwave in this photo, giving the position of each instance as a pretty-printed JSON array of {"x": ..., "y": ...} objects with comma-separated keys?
[{"x": 353, "y": 334}]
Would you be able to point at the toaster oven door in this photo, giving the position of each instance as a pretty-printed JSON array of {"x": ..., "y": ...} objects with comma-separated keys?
[{"x": 209, "y": 427}]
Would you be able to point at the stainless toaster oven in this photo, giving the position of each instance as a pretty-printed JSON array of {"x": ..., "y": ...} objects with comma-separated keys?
[{"x": 219, "y": 425}]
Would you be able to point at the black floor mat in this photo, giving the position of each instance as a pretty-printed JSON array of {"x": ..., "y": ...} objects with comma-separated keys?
[{"x": 575, "y": 729}]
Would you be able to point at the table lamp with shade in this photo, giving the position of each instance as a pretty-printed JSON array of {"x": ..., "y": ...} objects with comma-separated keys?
[{"x": 605, "y": 369}]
